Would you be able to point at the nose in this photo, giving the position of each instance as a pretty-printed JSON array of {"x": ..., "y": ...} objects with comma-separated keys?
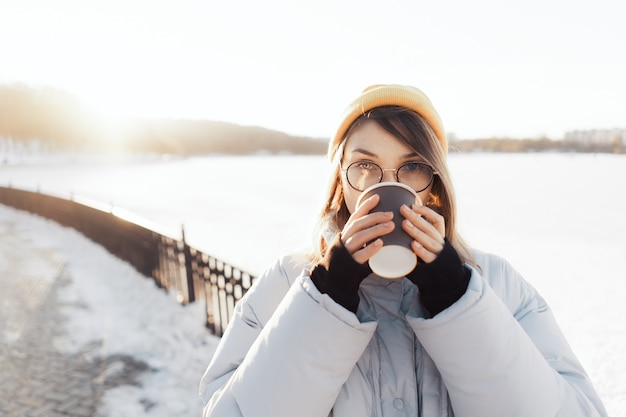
[{"x": 389, "y": 174}]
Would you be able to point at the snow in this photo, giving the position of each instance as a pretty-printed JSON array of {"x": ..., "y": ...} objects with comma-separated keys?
[
  {"x": 557, "y": 218},
  {"x": 109, "y": 301}
]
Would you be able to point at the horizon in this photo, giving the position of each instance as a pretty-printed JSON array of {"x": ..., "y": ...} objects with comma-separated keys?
[{"x": 538, "y": 69}]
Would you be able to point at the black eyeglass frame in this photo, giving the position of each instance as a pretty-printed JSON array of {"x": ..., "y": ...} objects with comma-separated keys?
[{"x": 433, "y": 173}]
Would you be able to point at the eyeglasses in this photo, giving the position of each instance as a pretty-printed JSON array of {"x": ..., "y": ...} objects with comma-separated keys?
[{"x": 363, "y": 174}]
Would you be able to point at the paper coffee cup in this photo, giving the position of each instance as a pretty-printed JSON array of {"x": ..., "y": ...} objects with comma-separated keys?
[{"x": 396, "y": 258}]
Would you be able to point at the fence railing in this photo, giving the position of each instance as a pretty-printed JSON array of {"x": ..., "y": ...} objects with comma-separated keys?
[{"x": 174, "y": 265}]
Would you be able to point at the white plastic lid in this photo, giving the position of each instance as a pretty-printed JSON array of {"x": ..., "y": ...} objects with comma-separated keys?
[{"x": 393, "y": 261}]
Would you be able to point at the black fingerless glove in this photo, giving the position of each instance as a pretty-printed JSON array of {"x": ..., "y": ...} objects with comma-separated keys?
[
  {"x": 441, "y": 282},
  {"x": 340, "y": 276}
]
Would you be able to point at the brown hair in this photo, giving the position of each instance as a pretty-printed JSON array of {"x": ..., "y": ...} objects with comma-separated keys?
[{"x": 412, "y": 130}]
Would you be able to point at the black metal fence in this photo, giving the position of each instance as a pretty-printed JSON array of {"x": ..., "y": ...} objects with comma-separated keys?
[{"x": 174, "y": 265}]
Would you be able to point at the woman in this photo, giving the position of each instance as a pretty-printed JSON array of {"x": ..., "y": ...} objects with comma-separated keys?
[{"x": 461, "y": 335}]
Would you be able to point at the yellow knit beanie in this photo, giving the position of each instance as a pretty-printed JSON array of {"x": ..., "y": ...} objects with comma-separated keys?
[{"x": 390, "y": 95}]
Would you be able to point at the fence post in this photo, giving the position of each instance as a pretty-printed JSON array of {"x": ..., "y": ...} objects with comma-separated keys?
[{"x": 191, "y": 290}]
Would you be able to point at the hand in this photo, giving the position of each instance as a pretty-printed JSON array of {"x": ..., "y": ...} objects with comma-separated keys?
[
  {"x": 428, "y": 230},
  {"x": 362, "y": 232}
]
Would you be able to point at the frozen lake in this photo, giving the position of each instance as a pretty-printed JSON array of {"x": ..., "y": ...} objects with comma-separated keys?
[
  {"x": 559, "y": 219},
  {"x": 249, "y": 210}
]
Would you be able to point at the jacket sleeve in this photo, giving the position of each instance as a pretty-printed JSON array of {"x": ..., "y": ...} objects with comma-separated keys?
[
  {"x": 500, "y": 352},
  {"x": 285, "y": 341}
]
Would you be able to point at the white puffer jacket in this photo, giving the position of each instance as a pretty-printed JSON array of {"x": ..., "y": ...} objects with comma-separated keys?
[{"x": 290, "y": 351}]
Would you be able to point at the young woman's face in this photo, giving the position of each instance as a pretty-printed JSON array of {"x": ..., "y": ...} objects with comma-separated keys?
[{"x": 370, "y": 142}]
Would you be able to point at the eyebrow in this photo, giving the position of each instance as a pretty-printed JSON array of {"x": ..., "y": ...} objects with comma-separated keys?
[{"x": 371, "y": 154}]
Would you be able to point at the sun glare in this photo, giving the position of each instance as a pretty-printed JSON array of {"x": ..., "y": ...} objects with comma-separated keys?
[{"x": 108, "y": 123}]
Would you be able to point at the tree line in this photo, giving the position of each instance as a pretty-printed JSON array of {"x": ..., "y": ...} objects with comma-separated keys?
[
  {"x": 534, "y": 145},
  {"x": 58, "y": 120},
  {"x": 55, "y": 119},
  {"x": 47, "y": 114}
]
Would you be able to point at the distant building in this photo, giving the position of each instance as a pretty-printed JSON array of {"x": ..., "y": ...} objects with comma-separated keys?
[{"x": 597, "y": 136}]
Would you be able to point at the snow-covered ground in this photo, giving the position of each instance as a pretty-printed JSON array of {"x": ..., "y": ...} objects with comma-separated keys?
[
  {"x": 109, "y": 302},
  {"x": 558, "y": 218}
]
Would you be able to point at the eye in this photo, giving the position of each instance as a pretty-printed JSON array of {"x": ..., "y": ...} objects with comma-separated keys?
[
  {"x": 414, "y": 167},
  {"x": 365, "y": 165}
]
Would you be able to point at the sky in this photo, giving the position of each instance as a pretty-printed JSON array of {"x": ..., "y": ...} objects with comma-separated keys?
[{"x": 491, "y": 68}]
